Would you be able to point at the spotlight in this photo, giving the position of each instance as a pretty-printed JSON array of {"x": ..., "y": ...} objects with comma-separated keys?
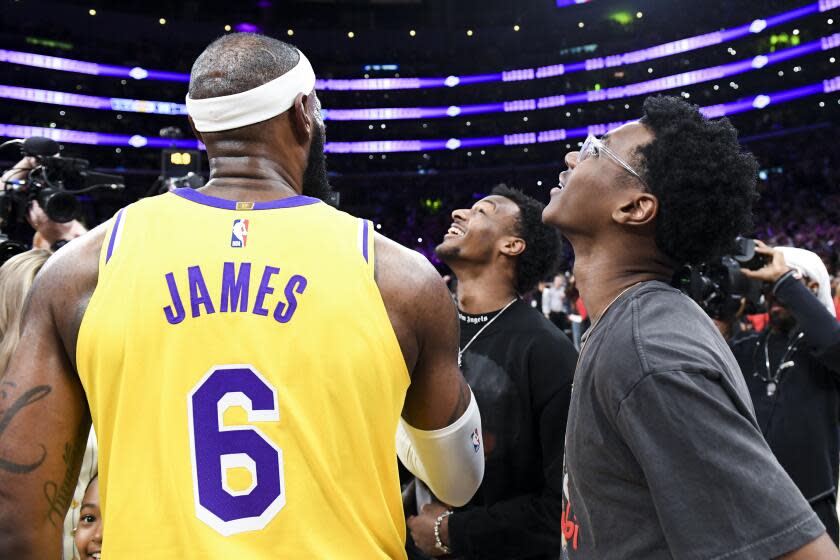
[
  {"x": 350, "y": 34},
  {"x": 290, "y": 32},
  {"x": 162, "y": 21},
  {"x": 469, "y": 32},
  {"x": 580, "y": 25},
  {"x": 796, "y": 32},
  {"x": 227, "y": 27},
  {"x": 92, "y": 12},
  {"x": 412, "y": 33},
  {"x": 639, "y": 15},
  {"x": 516, "y": 28}
]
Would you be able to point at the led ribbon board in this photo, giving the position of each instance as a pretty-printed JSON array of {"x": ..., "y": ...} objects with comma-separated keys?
[
  {"x": 756, "y": 102},
  {"x": 381, "y": 84},
  {"x": 378, "y": 114}
]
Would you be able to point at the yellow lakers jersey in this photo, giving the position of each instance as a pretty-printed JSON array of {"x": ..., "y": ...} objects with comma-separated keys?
[{"x": 245, "y": 383}]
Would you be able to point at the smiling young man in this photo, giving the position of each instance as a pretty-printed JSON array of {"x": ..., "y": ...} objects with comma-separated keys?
[
  {"x": 664, "y": 457},
  {"x": 519, "y": 367}
]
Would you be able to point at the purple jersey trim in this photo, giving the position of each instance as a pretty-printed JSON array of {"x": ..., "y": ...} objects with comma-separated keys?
[
  {"x": 114, "y": 231},
  {"x": 365, "y": 239},
  {"x": 201, "y": 198}
]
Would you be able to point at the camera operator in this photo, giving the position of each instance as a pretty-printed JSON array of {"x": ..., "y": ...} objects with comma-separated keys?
[
  {"x": 792, "y": 369},
  {"x": 48, "y": 233}
]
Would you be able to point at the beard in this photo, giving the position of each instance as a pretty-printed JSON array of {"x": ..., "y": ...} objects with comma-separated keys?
[
  {"x": 447, "y": 254},
  {"x": 315, "y": 181}
]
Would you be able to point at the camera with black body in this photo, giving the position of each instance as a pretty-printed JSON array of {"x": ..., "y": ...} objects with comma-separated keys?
[
  {"x": 719, "y": 286},
  {"x": 54, "y": 182}
]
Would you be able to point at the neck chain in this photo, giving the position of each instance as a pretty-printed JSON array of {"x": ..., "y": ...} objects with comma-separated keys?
[
  {"x": 481, "y": 330},
  {"x": 772, "y": 378}
]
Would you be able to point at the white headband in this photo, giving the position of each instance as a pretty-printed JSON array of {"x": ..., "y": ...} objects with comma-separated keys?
[{"x": 255, "y": 105}]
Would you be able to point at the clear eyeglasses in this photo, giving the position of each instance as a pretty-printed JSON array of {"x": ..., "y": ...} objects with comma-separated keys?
[{"x": 592, "y": 146}]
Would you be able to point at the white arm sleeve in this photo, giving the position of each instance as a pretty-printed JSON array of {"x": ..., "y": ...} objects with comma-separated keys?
[{"x": 449, "y": 460}]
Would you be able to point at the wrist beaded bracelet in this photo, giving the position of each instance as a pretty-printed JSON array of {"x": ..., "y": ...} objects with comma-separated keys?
[{"x": 438, "y": 544}]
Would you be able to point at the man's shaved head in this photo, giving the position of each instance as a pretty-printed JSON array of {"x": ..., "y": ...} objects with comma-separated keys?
[
  {"x": 238, "y": 62},
  {"x": 243, "y": 61}
]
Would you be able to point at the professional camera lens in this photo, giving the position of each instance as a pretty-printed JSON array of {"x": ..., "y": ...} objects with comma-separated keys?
[{"x": 60, "y": 206}]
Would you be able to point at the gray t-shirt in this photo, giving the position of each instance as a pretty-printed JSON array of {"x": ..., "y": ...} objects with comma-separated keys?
[{"x": 664, "y": 457}]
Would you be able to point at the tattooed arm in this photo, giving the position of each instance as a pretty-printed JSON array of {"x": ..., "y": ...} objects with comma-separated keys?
[{"x": 44, "y": 419}]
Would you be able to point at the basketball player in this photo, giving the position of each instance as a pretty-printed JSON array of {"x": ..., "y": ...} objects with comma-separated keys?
[
  {"x": 246, "y": 351},
  {"x": 664, "y": 457}
]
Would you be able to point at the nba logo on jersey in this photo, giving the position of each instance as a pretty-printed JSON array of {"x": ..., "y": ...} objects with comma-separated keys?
[
  {"x": 239, "y": 235},
  {"x": 476, "y": 441}
]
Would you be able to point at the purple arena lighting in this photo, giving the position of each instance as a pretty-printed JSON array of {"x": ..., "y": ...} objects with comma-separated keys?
[
  {"x": 246, "y": 27},
  {"x": 381, "y": 84},
  {"x": 756, "y": 102},
  {"x": 92, "y": 102},
  {"x": 564, "y": 3},
  {"x": 620, "y": 92},
  {"x": 379, "y": 114}
]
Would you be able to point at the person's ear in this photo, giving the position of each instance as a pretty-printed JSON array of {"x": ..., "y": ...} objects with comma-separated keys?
[
  {"x": 512, "y": 246},
  {"x": 301, "y": 117},
  {"x": 638, "y": 210}
]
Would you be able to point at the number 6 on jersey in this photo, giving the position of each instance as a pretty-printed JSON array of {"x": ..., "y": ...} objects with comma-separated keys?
[{"x": 216, "y": 448}]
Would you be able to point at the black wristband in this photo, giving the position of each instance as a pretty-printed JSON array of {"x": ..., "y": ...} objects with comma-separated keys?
[{"x": 790, "y": 273}]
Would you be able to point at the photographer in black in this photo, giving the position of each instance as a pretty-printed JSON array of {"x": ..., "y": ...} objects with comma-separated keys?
[
  {"x": 792, "y": 369},
  {"x": 49, "y": 234}
]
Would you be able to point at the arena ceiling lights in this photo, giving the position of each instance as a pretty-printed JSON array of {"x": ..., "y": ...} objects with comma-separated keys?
[
  {"x": 598, "y": 63},
  {"x": 751, "y": 103},
  {"x": 378, "y": 114}
]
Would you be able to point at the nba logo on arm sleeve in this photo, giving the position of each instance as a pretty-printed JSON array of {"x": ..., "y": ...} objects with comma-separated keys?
[
  {"x": 476, "y": 441},
  {"x": 239, "y": 235}
]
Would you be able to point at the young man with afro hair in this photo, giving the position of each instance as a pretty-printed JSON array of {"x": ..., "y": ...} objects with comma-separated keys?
[
  {"x": 664, "y": 457},
  {"x": 519, "y": 366}
]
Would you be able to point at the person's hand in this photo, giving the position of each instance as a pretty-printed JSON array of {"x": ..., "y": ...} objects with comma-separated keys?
[
  {"x": 773, "y": 270},
  {"x": 422, "y": 528},
  {"x": 18, "y": 170},
  {"x": 48, "y": 231}
]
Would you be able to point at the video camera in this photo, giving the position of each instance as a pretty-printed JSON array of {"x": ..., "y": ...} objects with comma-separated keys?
[
  {"x": 54, "y": 182},
  {"x": 719, "y": 286}
]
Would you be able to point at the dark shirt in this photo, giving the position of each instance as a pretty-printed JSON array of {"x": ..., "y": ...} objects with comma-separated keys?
[
  {"x": 520, "y": 369},
  {"x": 664, "y": 457},
  {"x": 800, "y": 418}
]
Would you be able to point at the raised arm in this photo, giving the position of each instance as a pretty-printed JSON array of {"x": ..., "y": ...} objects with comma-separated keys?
[{"x": 44, "y": 419}]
